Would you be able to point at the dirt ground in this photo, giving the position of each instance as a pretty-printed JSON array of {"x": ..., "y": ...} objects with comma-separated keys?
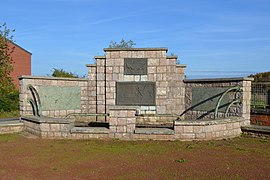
[{"x": 34, "y": 158}]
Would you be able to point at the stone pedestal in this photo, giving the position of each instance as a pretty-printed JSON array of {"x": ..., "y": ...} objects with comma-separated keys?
[{"x": 122, "y": 121}]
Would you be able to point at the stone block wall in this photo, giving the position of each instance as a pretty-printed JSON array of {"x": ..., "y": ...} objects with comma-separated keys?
[
  {"x": 242, "y": 110},
  {"x": 122, "y": 122},
  {"x": 11, "y": 128},
  {"x": 37, "y": 82},
  {"x": 155, "y": 121},
  {"x": 92, "y": 94},
  {"x": 48, "y": 127},
  {"x": 162, "y": 70},
  {"x": 208, "y": 130}
]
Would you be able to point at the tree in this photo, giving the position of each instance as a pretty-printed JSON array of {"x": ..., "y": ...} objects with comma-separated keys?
[
  {"x": 261, "y": 77},
  {"x": 63, "y": 73},
  {"x": 6, "y": 49},
  {"x": 122, "y": 44},
  {"x": 9, "y": 95}
]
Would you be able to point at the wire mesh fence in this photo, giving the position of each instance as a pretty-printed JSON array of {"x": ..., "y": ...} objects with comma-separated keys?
[{"x": 260, "y": 95}]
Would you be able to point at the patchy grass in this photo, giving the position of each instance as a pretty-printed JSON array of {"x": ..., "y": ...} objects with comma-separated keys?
[
  {"x": 11, "y": 114},
  {"x": 8, "y": 137},
  {"x": 239, "y": 158},
  {"x": 182, "y": 160}
]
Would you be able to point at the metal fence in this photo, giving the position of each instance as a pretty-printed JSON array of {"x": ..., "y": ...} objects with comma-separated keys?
[{"x": 260, "y": 95}]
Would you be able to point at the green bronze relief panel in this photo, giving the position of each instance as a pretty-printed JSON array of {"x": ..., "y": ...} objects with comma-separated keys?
[
  {"x": 60, "y": 98},
  {"x": 205, "y": 99}
]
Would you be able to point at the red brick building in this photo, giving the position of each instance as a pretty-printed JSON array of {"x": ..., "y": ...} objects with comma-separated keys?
[{"x": 21, "y": 62}]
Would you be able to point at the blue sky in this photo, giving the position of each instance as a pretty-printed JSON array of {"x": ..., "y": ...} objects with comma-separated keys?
[{"x": 215, "y": 38}]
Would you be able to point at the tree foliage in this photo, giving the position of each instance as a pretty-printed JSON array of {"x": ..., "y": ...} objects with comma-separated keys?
[
  {"x": 9, "y": 102},
  {"x": 122, "y": 44},
  {"x": 7, "y": 85},
  {"x": 63, "y": 73},
  {"x": 261, "y": 77},
  {"x": 9, "y": 95}
]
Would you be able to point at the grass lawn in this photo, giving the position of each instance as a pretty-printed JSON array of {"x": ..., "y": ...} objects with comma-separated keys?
[
  {"x": 34, "y": 158},
  {"x": 10, "y": 114}
]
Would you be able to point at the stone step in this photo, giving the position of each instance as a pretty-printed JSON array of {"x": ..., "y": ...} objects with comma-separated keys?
[
  {"x": 90, "y": 130},
  {"x": 255, "y": 128},
  {"x": 11, "y": 123},
  {"x": 154, "y": 131}
]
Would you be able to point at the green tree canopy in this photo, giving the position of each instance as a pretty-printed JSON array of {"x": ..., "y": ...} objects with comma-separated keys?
[
  {"x": 261, "y": 77},
  {"x": 6, "y": 49},
  {"x": 122, "y": 44},
  {"x": 9, "y": 95},
  {"x": 63, "y": 73}
]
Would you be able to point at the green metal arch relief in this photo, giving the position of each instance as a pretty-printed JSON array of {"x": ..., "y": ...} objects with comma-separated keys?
[
  {"x": 54, "y": 98},
  {"x": 35, "y": 101},
  {"x": 235, "y": 101}
]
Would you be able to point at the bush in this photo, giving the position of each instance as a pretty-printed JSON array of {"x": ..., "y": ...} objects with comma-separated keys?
[
  {"x": 63, "y": 73},
  {"x": 122, "y": 44},
  {"x": 9, "y": 102}
]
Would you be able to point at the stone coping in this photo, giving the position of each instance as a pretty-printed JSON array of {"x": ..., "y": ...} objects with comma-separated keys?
[
  {"x": 158, "y": 115},
  {"x": 153, "y": 131},
  {"x": 218, "y": 80},
  {"x": 181, "y": 65},
  {"x": 136, "y": 49},
  {"x": 177, "y": 65},
  {"x": 100, "y": 57},
  {"x": 123, "y": 107},
  {"x": 90, "y": 130},
  {"x": 255, "y": 128},
  {"x": 171, "y": 57},
  {"x": 50, "y": 120},
  {"x": 91, "y": 65},
  {"x": 9, "y": 119},
  {"x": 11, "y": 123},
  {"x": 52, "y": 78},
  {"x": 207, "y": 122}
]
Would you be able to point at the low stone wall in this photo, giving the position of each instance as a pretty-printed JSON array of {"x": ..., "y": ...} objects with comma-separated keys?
[
  {"x": 8, "y": 128},
  {"x": 45, "y": 127},
  {"x": 206, "y": 88},
  {"x": 208, "y": 130},
  {"x": 122, "y": 126},
  {"x": 155, "y": 120},
  {"x": 51, "y": 108},
  {"x": 256, "y": 131}
]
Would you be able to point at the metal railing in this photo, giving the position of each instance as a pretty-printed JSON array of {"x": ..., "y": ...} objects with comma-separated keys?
[{"x": 260, "y": 95}]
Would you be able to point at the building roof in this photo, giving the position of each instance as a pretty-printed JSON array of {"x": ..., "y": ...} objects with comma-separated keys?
[{"x": 20, "y": 47}]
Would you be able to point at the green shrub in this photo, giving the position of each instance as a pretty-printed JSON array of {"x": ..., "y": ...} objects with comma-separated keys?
[
  {"x": 11, "y": 114},
  {"x": 9, "y": 102},
  {"x": 63, "y": 73}
]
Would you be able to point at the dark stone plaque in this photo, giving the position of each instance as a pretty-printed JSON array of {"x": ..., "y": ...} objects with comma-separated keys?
[
  {"x": 136, "y": 93},
  {"x": 135, "y": 66}
]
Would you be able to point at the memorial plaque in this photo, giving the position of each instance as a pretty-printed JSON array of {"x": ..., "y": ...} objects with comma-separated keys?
[
  {"x": 205, "y": 99},
  {"x": 136, "y": 93},
  {"x": 60, "y": 97},
  {"x": 135, "y": 66}
]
